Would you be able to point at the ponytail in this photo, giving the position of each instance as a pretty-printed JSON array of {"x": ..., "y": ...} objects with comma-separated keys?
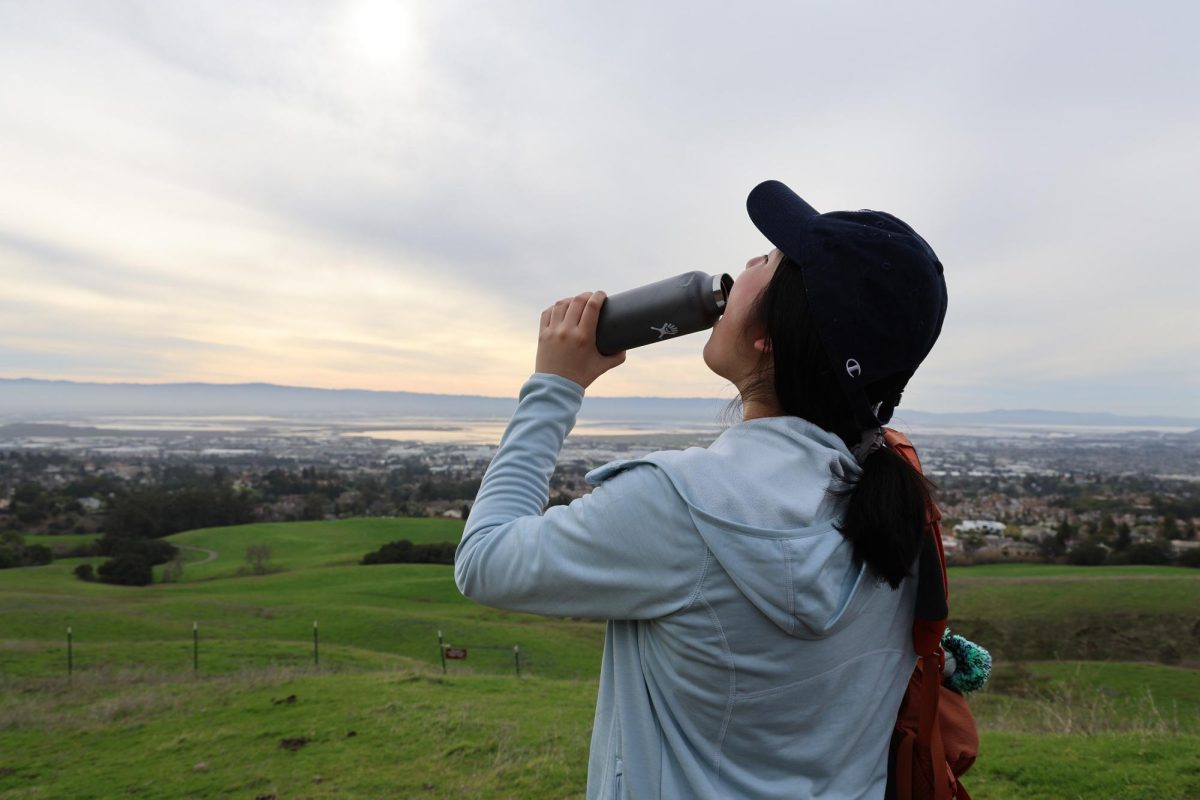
[
  {"x": 886, "y": 509},
  {"x": 886, "y": 515}
]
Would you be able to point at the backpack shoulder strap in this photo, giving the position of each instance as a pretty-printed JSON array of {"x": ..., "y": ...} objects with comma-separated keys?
[
  {"x": 932, "y": 605},
  {"x": 929, "y": 622}
]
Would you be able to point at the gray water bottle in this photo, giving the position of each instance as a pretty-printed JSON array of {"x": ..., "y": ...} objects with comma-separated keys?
[{"x": 662, "y": 310}]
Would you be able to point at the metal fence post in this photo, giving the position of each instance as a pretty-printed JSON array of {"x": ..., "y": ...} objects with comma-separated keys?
[
  {"x": 517, "y": 658},
  {"x": 195, "y": 646},
  {"x": 442, "y": 651},
  {"x": 70, "y": 664},
  {"x": 316, "y": 658}
]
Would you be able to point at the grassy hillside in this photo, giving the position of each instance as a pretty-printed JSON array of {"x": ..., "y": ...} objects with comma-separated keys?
[
  {"x": 245, "y": 621},
  {"x": 409, "y": 732},
  {"x": 305, "y": 545},
  {"x": 136, "y": 720},
  {"x": 1040, "y": 612}
]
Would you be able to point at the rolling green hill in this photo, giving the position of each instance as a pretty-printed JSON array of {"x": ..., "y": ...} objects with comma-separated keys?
[{"x": 138, "y": 721}]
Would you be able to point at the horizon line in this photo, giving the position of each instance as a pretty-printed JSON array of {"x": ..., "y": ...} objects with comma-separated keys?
[{"x": 1187, "y": 421}]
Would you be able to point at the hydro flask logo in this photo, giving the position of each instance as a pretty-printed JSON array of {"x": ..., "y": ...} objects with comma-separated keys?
[
  {"x": 667, "y": 329},
  {"x": 852, "y": 368}
]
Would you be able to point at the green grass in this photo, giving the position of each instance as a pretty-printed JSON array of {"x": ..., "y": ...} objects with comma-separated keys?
[
  {"x": 247, "y": 621},
  {"x": 135, "y": 719},
  {"x": 1024, "y": 590},
  {"x": 1040, "y": 612},
  {"x": 298, "y": 545},
  {"x": 414, "y": 734},
  {"x": 417, "y": 734},
  {"x": 1049, "y": 767},
  {"x": 1089, "y": 697},
  {"x": 1068, "y": 571},
  {"x": 1146, "y": 691}
]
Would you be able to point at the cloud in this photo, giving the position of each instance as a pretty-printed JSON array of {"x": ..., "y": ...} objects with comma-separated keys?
[{"x": 386, "y": 195}]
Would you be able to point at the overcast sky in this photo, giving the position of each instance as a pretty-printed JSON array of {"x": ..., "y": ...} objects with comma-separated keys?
[{"x": 385, "y": 196}]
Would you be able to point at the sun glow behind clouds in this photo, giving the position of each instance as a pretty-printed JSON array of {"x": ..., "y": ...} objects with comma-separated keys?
[
  {"x": 380, "y": 32},
  {"x": 386, "y": 194}
]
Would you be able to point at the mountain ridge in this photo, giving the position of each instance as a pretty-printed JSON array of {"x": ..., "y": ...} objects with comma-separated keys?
[{"x": 42, "y": 398}]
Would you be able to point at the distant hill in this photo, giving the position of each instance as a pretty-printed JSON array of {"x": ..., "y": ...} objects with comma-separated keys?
[{"x": 26, "y": 399}]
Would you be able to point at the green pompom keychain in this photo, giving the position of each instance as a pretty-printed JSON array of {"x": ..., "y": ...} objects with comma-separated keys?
[{"x": 968, "y": 665}]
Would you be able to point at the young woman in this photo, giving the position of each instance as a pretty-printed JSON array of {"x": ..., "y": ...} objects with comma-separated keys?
[{"x": 759, "y": 591}]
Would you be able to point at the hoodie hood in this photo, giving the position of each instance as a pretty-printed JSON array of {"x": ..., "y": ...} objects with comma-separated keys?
[{"x": 760, "y": 498}]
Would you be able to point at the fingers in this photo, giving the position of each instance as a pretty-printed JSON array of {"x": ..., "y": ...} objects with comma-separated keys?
[
  {"x": 559, "y": 311},
  {"x": 575, "y": 309},
  {"x": 590, "y": 312},
  {"x": 572, "y": 309}
]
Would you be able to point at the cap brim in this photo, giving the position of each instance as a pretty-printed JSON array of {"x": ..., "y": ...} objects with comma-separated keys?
[{"x": 781, "y": 215}]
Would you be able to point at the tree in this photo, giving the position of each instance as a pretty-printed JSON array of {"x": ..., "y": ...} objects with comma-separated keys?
[
  {"x": 1169, "y": 528},
  {"x": 258, "y": 557},
  {"x": 85, "y": 572},
  {"x": 560, "y": 499},
  {"x": 12, "y": 548},
  {"x": 1065, "y": 532},
  {"x": 37, "y": 555},
  {"x": 1108, "y": 528},
  {"x": 173, "y": 570},
  {"x": 405, "y": 552},
  {"x": 971, "y": 541},
  {"x": 1124, "y": 537},
  {"x": 314, "y": 507},
  {"x": 1050, "y": 546},
  {"x": 129, "y": 569},
  {"x": 1088, "y": 554},
  {"x": 1147, "y": 553}
]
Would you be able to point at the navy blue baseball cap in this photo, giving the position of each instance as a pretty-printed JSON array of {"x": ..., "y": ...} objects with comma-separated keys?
[{"x": 875, "y": 290}]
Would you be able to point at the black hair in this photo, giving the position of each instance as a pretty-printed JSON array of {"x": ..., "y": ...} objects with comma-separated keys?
[{"x": 886, "y": 513}]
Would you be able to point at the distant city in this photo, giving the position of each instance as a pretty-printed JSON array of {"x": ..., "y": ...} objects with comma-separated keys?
[{"x": 1022, "y": 488}]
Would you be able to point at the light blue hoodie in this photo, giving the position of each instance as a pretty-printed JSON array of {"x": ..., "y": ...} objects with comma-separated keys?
[{"x": 746, "y": 655}]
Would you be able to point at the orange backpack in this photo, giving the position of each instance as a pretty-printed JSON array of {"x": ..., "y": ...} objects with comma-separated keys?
[{"x": 935, "y": 740}]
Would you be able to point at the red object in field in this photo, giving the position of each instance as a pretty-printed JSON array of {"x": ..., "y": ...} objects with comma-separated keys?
[{"x": 456, "y": 653}]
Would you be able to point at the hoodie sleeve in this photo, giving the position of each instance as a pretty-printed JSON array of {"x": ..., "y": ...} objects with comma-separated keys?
[{"x": 628, "y": 550}]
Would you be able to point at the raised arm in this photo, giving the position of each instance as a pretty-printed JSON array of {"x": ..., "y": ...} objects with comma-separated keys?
[{"x": 626, "y": 551}]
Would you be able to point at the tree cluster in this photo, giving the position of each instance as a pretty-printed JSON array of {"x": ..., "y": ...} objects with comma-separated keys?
[
  {"x": 15, "y": 553},
  {"x": 157, "y": 512},
  {"x": 405, "y": 552}
]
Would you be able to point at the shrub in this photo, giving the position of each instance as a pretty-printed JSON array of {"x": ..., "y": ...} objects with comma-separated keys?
[
  {"x": 15, "y": 553},
  {"x": 155, "y": 551},
  {"x": 37, "y": 554},
  {"x": 1190, "y": 558},
  {"x": 85, "y": 572},
  {"x": 258, "y": 556},
  {"x": 173, "y": 570},
  {"x": 1147, "y": 553},
  {"x": 129, "y": 569},
  {"x": 82, "y": 550},
  {"x": 405, "y": 552},
  {"x": 1087, "y": 554}
]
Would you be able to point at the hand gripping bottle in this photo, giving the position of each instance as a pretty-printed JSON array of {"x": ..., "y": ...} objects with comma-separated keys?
[{"x": 662, "y": 310}]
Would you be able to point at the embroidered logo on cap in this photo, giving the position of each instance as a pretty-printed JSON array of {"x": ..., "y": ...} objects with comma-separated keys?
[{"x": 852, "y": 368}]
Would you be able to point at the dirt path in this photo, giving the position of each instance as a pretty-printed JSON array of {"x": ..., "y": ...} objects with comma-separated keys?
[{"x": 212, "y": 554}]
